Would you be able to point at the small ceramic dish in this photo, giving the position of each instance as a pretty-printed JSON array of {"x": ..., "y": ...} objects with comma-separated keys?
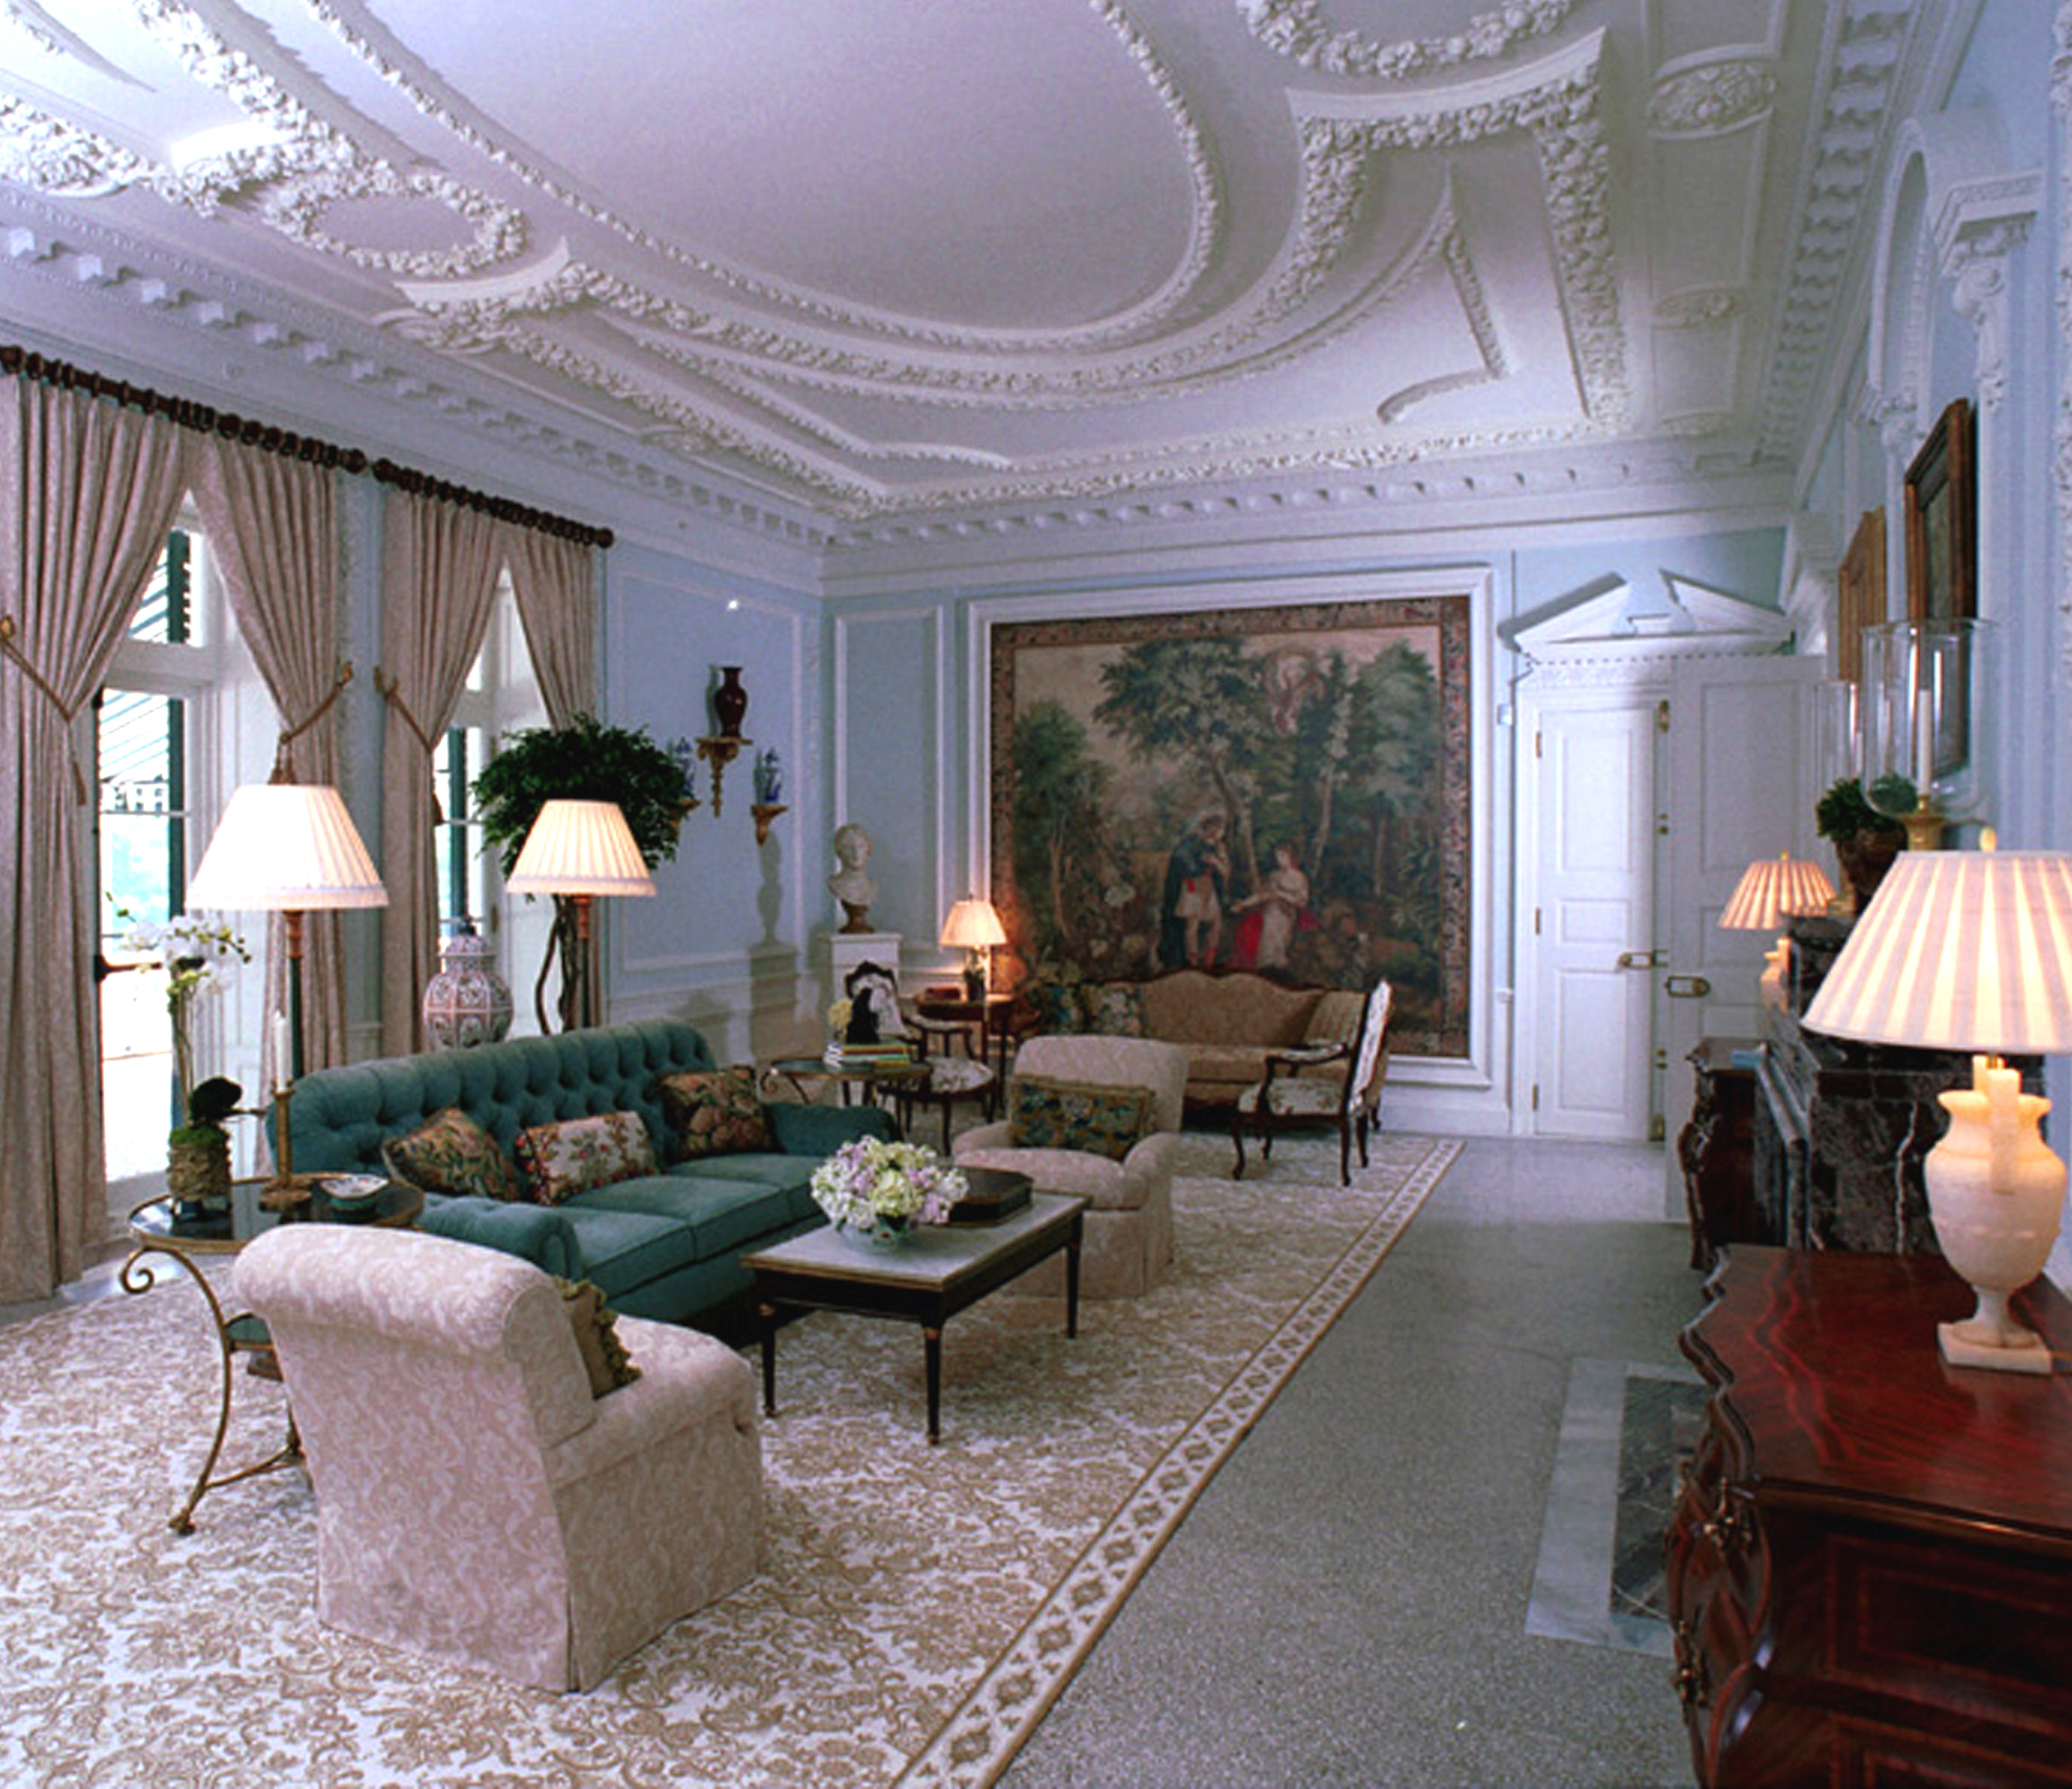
[{"x": 352, "y": 1191}]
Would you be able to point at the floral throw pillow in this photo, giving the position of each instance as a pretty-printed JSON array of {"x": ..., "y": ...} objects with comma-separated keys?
[
  {"x": 450, "y": 1153},
  {"x": 595, "y": 1325},
  {"x": 561, "y": 1160},
  {"x": 1113, "y": 1009},
  {"x": 714, "y": 1113},
  {"x": 1043, "y": 1114}
]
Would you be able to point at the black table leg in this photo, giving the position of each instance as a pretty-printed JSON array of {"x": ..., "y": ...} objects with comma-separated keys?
[
  {"x": 932, "y": 1341},
  {"x": 768, "y": 1313},
  {"x": 1072, "y": 1279}
]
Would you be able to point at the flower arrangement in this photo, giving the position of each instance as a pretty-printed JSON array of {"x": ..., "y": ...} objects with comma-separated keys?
[
  {"x": 198, "y": 958},
  {"x": 838, "y": 1018},
  {"x": 884, "y": 1188}
]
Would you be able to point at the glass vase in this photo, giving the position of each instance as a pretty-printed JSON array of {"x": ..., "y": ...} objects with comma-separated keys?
[{"x": 1925, "y": 687}]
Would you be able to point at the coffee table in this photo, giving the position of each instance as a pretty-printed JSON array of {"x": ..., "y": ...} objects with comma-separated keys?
[
  {"x": 927, "y": 1280},
  {"x": 157, "y": 1228}
]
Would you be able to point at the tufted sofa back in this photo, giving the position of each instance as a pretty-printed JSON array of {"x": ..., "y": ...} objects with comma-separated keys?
[{"x": 340, "y": 1117}]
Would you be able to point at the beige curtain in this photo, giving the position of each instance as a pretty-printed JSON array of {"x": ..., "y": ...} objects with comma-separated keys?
[
  {"x": 88, "y": 491},
  {"x": 438, "y": 568},
  {"x": 272, "y": 525},
  {"x": 555, "y": 582}
]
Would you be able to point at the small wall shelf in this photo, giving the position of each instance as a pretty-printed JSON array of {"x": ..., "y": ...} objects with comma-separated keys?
[
  {"x": 719, "y": 750},
  {"x": 765, "y": 813}
]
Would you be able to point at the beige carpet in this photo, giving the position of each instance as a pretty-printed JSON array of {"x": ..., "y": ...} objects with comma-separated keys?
[{"x": 923, "y": 1605}]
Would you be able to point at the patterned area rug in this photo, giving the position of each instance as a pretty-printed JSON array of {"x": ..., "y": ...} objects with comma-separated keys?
[{"x": 922, "y": 1609}]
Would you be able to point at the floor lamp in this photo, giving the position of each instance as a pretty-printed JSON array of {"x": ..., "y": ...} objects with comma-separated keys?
[
  {"x": 581, "y": 849},
  {"x": 286, "y": 848}
]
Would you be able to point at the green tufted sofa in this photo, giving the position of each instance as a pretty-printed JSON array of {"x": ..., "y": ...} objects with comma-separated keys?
[{"x": 665, "y": 1246}]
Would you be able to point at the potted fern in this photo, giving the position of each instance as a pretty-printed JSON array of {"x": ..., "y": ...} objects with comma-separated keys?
[
  {"x": 585, "y": 760},
  {"x": 1865, "y": 841}
]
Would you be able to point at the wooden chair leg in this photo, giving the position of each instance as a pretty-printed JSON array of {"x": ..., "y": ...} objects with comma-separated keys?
[
  {"x": 1346, "y": 1153},
  {"x": 1238, "y": 1141}
]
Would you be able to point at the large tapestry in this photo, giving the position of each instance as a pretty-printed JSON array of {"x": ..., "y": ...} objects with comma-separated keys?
[{"x": 1282, "y": 788}]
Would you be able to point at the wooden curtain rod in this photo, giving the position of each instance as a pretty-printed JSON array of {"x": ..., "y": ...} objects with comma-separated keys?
[{"x": 186, "y": 413}]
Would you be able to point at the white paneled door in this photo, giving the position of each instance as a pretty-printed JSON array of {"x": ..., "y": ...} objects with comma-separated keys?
[
  {"x": 1740, "y": 770},
  {"x": 1591, "y": 794}
]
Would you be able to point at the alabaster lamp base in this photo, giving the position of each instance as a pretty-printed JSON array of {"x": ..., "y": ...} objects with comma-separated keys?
[{"x": 1995, "y": 1192}]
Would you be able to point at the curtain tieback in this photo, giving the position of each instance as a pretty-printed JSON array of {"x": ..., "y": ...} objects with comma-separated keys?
[
  {"x": 66, "y": 713},
  {"x": 394, "y": 698},
  {"x": 289, "y": 735}
]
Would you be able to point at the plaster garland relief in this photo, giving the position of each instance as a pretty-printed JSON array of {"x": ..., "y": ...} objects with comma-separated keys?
[
  {"x": 1713, "y": 97},
  {"x": 1297, "y": 29}
]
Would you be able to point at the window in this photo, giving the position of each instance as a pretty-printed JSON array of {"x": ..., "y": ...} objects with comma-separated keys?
[
  {"x": 502, "y": 695},
  {"x": 181, "y": 721}
]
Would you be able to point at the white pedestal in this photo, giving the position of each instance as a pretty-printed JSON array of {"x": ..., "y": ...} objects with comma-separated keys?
[{"x": 845, "y": 949}]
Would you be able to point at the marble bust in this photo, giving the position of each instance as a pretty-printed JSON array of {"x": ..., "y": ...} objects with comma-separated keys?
[{"x": 850, "y": 884}]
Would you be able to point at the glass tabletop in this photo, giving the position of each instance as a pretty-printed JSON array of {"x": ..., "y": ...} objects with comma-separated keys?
[{"x": 212, "y": 1229}]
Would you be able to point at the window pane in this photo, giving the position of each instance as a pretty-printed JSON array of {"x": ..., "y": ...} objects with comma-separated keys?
[
  {"x": 166, "y": 614},
  {"x": 142, "y": 822}
]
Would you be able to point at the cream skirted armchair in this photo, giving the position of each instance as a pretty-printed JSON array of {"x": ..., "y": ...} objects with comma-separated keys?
[
  {"x": 1128, "y": 1233},
  {"x": 475, "y": 1502}
]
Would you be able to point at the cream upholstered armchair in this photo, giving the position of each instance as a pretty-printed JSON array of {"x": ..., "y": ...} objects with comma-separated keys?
[
  {"x": 474, "y": 1502},
  {"x": 1128, "y": 1231}
]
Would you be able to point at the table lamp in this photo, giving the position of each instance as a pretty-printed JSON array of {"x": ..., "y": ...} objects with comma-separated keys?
[
  {"x": 974, "y": 928},
  {"x": 1769, "y": 891},
  {"x": 290, "y": 849},
  {"x": 1972, "y": 950},
  {"x": 581, "y": 849}
]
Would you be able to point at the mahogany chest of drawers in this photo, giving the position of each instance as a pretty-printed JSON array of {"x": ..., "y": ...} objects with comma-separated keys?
[{"x": 1869, "y": 1568}]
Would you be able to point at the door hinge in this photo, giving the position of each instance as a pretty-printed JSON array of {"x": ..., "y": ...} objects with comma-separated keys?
[
  {"x": 1535, "y": 921},
  {"x": 1657, "y": 1130},
  {"x": 1538, "y": 745},
  {"x": 1535, "y": 1096},
  {"x": 1662, "y": 715}
]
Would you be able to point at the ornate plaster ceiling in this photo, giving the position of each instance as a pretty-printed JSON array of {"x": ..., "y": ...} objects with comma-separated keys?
[{"x": 900, "y": 258}]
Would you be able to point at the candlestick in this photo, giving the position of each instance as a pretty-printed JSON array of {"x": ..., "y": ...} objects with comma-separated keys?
[{"x": 283, "y": 1062}]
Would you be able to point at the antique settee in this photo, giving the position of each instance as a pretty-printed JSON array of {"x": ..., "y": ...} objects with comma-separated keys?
[
  {"x": 664, "y": 1244},
  {"x": 1228, "y": 1021}
]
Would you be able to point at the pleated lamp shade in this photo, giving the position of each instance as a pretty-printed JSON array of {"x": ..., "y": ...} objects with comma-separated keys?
[
  {"x": 1771, "y": 889},
  {"x": 973, "y": 924},
  {"x": 1961, "y": 951},
  {"x": 580, "y": 848},
  {"x": 286, "y": 846}
]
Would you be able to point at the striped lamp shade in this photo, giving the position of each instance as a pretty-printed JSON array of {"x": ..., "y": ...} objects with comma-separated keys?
[
  {"x": 1771, "y": 888},
  {"x": 1959, "y": 950},
  {"x": 285, "y": 846},
  {"x": 580, "y": 848}
]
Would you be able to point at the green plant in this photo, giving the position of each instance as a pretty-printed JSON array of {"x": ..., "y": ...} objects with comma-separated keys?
[
  {"x": 585, "y": 760},
  {"x": 207, "y": 1107},
  {"x": 1845, "y": 810}
]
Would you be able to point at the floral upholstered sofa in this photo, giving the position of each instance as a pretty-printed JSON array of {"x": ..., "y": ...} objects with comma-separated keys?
[
  {"x": 1228, "y": 1021},
  {"x": 656, "y": 1208}
]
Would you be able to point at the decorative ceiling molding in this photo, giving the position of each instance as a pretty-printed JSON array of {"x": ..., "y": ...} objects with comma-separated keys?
[
  {"x": 1855, "y": 85},
  {"x": 72, "y": 257},
  {"x": 1297, "y": 29},
  {"x": 1701, "y": 307},
  {"x": 1713, "y": 97},
  {"x": 358, "y": 29}
]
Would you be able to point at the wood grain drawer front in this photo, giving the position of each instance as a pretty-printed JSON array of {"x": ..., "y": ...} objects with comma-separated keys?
[{"x": 1959, "y": 1631}]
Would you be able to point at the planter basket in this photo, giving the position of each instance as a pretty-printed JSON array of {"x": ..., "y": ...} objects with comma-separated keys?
[{"x": 196, "y": 1171}]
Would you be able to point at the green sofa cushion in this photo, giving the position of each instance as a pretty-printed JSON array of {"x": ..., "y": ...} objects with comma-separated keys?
[{"x": 723, "y": 1214}]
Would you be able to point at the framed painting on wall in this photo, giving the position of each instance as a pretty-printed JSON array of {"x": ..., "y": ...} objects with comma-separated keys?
[
  {"x": 1861, "y": 594},
  {"x": 1942, "y": 512},
  {"x": 1283, "y": 789}
]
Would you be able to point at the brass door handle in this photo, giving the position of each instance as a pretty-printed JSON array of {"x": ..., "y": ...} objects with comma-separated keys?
[
  {"x": 1686, "y": 987},
  {"x": 1639, "y": 959}
]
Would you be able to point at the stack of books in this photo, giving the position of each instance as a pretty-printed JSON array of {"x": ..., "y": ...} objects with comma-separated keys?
[{"x": 895, "y": 1052}]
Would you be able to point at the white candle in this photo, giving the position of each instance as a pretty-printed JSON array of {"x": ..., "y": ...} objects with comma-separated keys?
[{"x": 284, "y": 1053}]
